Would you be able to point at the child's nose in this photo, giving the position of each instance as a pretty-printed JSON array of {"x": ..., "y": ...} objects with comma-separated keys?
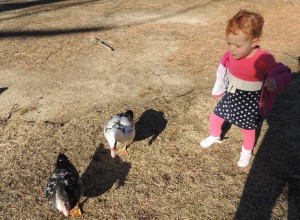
[{"x": 231, "y": 48}]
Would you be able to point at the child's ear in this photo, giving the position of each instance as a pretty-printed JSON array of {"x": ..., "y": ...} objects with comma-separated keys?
[{"x": 255, "y": 42}]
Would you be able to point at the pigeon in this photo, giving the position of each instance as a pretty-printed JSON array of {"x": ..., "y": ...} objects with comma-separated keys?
[
  {"x": 119, "y": 132},
  {"x": 63, "y": 188}
]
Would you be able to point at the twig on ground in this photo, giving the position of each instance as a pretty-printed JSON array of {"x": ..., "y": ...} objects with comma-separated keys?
[
  {"x": 156, "y": 75},
  {"x": 106, "y": 45},
  {"x": 10, "y": 113},
  {"x": 186, "y": 93},
  {"x": 48, "y": 57},
  {"x": 167, "y": 101}
]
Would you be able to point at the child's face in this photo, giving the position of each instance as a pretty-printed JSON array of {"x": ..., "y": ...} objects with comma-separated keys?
[{"x": 241, "y": 45}]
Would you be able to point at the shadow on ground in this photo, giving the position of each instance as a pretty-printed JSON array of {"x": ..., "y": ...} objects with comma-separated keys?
[
  {"x": 275, "y": 173},
  {"x": 20, "y": 5},
  {"x": 3, "y": 90},
  {"x": 60, "y": 4},
  {"x": 103, "y": 172},
  {"x": 150, "y": 124}
]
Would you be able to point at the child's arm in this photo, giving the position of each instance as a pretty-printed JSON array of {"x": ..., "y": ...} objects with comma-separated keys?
[
  {"x": 221, "y": 82},
  {"x": 222, "y": 77},
  {"x": 278, "y": 78},
  {"x": 278, "y": 75},
  {"x": 281, "y": 74},
  {"x": 271, "y": 85}
]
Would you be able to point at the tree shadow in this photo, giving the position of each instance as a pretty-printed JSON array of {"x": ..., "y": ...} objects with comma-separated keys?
[
  {"x": 20, "y": 5},
  {"x": 64, "y": 4},
  {"x": 3, "y": 89},
  {"x": 51, "y": 32},
  {"x": 275, "y": 171},
  {"x": 103, "y": 172},
  {"x": 45, "y": 6},
  {"x": 150, "y": 124}
]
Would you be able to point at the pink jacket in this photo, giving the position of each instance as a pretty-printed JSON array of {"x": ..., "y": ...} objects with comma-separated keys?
[{"x": 278, "y": 71}]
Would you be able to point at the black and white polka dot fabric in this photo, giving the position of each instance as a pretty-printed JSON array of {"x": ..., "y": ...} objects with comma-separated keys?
[{"x": 240, "y": 108}]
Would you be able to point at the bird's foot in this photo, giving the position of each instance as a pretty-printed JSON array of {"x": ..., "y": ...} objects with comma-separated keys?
[
  {"x": 75, "y": 211},
  {"x": 122, "y": 152}
]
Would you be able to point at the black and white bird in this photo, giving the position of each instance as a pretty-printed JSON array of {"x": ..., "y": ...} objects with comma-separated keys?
[
  {"x": 63, "y": 189},
  {"x": 119, "y": 132}
]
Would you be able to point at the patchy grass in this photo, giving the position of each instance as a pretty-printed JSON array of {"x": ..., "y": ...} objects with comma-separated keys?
[
  {"x": 52, "y": 64},
  {"x": 165, "y": 176}
]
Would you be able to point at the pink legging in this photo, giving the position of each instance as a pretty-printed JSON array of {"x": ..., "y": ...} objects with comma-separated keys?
[{"x": 216, "y": 123}]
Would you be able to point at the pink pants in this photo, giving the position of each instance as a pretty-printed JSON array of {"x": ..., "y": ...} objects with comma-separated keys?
[{"x": 216, "y": 123}]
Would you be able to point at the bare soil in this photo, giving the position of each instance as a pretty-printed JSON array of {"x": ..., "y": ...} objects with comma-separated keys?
[{"x": 68, "y": 66}]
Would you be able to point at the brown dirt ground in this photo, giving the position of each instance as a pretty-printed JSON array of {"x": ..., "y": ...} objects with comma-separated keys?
[{"x": 60, "y": 83}]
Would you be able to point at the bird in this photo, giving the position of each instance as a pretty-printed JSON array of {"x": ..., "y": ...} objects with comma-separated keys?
[
  {"x": 63, "y": 188},
  {"x": 119, "y": 132}
]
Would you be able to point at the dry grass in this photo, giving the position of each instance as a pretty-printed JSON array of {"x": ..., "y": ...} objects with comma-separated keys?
[{"x": 166, "y": 175}]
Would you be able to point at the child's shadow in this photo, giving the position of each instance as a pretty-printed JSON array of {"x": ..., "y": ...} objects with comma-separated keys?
[
  {"x": 275, "y": 172},
  {"x": 103, "y": 172},
  {"x": 225, "y": 128},
  {"x": 150, "y": 124}
]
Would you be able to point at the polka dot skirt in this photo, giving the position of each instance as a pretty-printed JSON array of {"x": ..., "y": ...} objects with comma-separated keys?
[{"x": 240, "y": 108}]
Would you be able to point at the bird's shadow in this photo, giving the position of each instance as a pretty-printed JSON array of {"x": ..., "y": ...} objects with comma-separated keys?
[
  {"x": 150, "y": 124},
  {"x": 103, "y": 172},
  {"x": 3, "y": 89}
]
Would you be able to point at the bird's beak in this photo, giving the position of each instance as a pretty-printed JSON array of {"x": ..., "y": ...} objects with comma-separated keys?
[
  {"x": 113, "y": 153},
  {"x": 65, "y": 209},
  {"x": 113, "y": 150}
]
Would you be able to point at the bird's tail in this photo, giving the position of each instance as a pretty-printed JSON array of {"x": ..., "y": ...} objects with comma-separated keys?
[
  {"x": 129, "y": 113},
  {"x": 62, "y": 161}
]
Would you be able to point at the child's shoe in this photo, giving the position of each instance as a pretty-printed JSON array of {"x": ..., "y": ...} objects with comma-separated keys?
[
  {"x": 209, "y": 141},
  {"x": 245, "y": 158}
]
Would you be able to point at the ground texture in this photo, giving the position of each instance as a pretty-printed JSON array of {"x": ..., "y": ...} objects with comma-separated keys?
[{"x": 68, "y": 66}]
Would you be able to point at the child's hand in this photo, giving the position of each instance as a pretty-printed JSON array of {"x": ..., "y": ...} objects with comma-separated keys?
[{"x": 271, "y": 85}]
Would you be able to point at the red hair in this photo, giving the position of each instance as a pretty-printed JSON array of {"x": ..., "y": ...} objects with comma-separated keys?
[{"x": 248, "y": 22}]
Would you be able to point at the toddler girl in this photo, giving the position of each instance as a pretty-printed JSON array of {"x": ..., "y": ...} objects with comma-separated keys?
[{"x": 248, "y": 79}]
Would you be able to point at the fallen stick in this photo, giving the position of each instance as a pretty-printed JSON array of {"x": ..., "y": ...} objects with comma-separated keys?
[
  {"x": 105, "y": 44},
  {"x": 186, "y": 93}
]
